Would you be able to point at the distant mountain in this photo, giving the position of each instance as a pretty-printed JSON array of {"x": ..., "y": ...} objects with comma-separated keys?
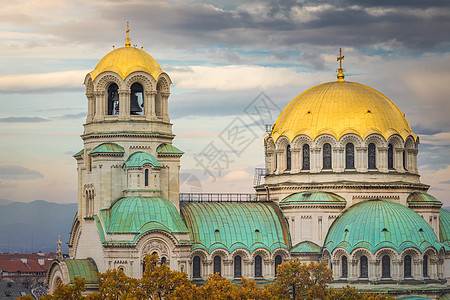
[
  {"x": 34, "y": 226},
  {"x": 447, "y": 208}
]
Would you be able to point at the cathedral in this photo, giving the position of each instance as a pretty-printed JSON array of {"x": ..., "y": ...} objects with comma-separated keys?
[{"x": 341, "y": 185}]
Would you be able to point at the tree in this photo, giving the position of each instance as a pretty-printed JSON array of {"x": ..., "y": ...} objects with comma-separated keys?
[
  {"x": 351, "y": 293},
  {"x": 72, "y": 292}
]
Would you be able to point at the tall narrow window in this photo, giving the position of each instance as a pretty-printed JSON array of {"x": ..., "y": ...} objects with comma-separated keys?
[
  {"x": 404, "y": 160},
  {"x": 163, "y": 260},
  {"x": 278, "y": 261},
  {"x": 305, "y": 151},
  {"x": 372, "y": 156},
  {"x": 390, "y": 157},
  {"x": 363, "y": 267},
  {"x": 113, "y": 99},
  {"x": 136, "y": 99},
  {"x": 158, "y": 101},
  {"x": 386, "y": 267},
  {"x": 425, "y": 266},
  {"x": 326, "y": 156},
  {"x": 196, "y": 273},
  {"x": 218, "y": 265},
  {"x": 407, "y": 266},
  {"x": 344, "y": 267},
  {"x": 237, "y": 266},
  {"x": 146, "y": 177},
  {"x": 143, "y": 267},
  {"x": 276, "y": 160},
  {"x": 349, "y": 156},
  {"x": 258, "y": 266},
  {"x": 288, "y": 157}
]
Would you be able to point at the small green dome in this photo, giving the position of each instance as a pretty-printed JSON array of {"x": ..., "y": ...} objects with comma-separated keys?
[
  {"x": 168, "y": 149},
  {"x": 444, "y": 226},
  {"x": 108, "y": 148},
  {"x": 138, "y": 159},
  {"x": 376, "y": 224},
  {"x": 313, "y": 197},
  {"x": 140, "y": 214},
  {"x": 418, "y": 198},
  {"x": 306, "y": 247}
]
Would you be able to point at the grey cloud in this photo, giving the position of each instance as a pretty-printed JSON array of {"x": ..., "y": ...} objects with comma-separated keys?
[
  {"x": 10, "y": 172},
  {"x": 445, "y": 182},
  {"x": 73, "y": 116},
  {"x": 23, "y": 120}
]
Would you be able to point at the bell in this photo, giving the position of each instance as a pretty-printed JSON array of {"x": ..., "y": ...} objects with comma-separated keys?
[{"x": 134, "y": 105}]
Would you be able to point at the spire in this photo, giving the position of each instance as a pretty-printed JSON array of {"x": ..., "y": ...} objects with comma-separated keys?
[
  {"x": 128, "y": 44},
  {"x": 59, "y": 254},
  {"x": 341, "y": 71}
]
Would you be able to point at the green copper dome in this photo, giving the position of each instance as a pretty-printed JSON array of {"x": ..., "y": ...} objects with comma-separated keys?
[
  {"x": 138, "y": 159},
  {"x": 306, "y": 247},
  {"x": 231, "y": 225},
  {"x": 313, "y": 197},
  {"x": 376, "y": 224},
  {"x": 444, "y": 227},
  {"x": 418, "y": 198},
  {"x": 140, "y": 214},
  {"x": 108, "y": 148}
]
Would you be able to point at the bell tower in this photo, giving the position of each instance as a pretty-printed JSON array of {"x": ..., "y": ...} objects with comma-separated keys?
[{"x": 127, "y": 136}]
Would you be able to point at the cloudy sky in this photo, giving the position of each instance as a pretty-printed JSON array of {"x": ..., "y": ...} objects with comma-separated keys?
[{"x": 222, "y": 56}]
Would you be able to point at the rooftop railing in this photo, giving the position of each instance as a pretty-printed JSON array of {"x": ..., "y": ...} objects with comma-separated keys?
[{"x": 220, "y": 197}]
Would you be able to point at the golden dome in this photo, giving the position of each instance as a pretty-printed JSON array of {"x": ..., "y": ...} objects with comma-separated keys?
[
  {"x": 127, "y": 60},
  {"x": 338, "y": 108}
]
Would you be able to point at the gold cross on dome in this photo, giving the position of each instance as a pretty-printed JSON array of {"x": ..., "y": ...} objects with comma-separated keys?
[
  {"x": 340, "y": 58},
  {"x": 128, "y": 44}
]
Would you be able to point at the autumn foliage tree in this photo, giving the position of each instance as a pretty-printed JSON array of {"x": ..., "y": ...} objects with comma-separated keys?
[{"x": 295, "y": 280}]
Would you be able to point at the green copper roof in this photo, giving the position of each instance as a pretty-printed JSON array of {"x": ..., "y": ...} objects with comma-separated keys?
[
  {"x": 231, "y": 225},
  {"x": 311, "y": 197},
  {"x": 139, "y": 214},
  {"x": 81, "y": 152},
  {"x": 375, "y": 224},
  {"x": 306, "y": 247},
  {"x": 422, "y": 198},
  {"x": 108, "y": 148},
  {"x": 84, "y": 268},
  {"x": 138, "y": 159},
  {"x": 444, "y": 226},
  {"x": 169, "y": 149}
]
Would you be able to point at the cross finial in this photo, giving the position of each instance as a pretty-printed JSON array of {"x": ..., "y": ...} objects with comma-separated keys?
[
  {"x": 128, "y": 43},
  {"x": 340, "y": 58},
  {"x": 59, "y": 254}
]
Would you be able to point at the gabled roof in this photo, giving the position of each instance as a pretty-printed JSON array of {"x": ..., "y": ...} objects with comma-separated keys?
[
  {"x": 231, "y": 225},
  {"x": 79, "y": 153},
  {"x": 138, "y": 159},
  {"x": 168, "y": 149},
  {"x": 108, "y": 148}
]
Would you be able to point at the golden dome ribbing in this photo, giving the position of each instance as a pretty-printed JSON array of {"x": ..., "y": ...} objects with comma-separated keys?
[{"x": 338, "y": 108}]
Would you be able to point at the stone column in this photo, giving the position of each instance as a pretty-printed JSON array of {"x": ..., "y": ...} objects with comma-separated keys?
[
  {"x": 280, "y": 166},
  {"x": 165, "y": 106},
  {"x": 100, "y": 106},
  {"x": 398, "y": 159},
  {"x": 314, "y": 160},
  {"x": 362, "y": 165},
  {"x": 227, "y": 270},
  {"x": 124, "y": 104},
  {"x": 353, "y": 270},
  {"x": 91, "y": 107},
  {"x": 374, "y": 274},
  {"x": 269, "y": 162},
  {"x": 208, "y": 268},
  {"x": 417, "y": 269},
  {"x": 149, "y": 105},
  {"x": 338, "y": 159},
  {"x": 336, "y": 269},
  {"x": 396, "y": 271},
  {"x": 382, "y": 164},
  {"x": 268, "y": 266},
  {"x": 246, "y": 268},
  {"x": 295, "y": 160}
]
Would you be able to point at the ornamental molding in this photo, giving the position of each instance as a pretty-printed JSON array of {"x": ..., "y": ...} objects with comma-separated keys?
[
  {"x": 142, "y": 79},
  {"x": 106, "y": 80}
]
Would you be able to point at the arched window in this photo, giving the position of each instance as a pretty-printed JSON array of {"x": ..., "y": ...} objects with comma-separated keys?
[
  {"x": 217, "y": 236},
  {"x": 258, "y": 266},
  {"x": 349, "y": 156},
  {"x": 163, "y": 260},
  {"x": 386, "y": 267},
  {"x": 196, "y": 273},
  {"x": 372, "y": 156},
  {"x": 288, "y": 157},
  {"x": 344, "y": 267},
  {"x": 305, "y": 151},
  {"x": 407, "y": 266},
  {"x": 390, "y": 157},
  {"x": 363, "y": 267},
  {"x": 237, "y": 266},
  {"x": 158, "y": 100},
  {"x": 113, "y": 99},
  {"x": 146, "y": 177},
  {"x": 425, "y": 266},
  {"x": 404, "y": 160},
  {"x": 278, "y": 261},
  {"x": 326, "y": 156},
  {"x": 143, "y": 267},
  {"x": 136, "y": 99},
  {"x": 218, "y": 265}
]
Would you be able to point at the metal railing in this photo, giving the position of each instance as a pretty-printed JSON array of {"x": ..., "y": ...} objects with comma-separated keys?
[
  {"x": 220, "y": 197},
  {"x": 259, "y": 175}
]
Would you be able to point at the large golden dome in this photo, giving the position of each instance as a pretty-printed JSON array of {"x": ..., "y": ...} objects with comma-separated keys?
[
  {"x": 127, "y": 60},
  {"x": 338, "y": 108}
]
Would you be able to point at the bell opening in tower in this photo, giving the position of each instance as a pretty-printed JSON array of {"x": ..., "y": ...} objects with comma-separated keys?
[
  {"x": 113, "y": 99},
  {"x": 137, "y": 99}
]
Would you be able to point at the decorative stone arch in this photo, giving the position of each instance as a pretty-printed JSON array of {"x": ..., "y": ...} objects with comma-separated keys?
[
  {"x": 300, "y": 140},
  {"x": 102, "y": 81},
  {"x": 394, "y": 258},
  {"x": 164, "y": 83},
  {"x": 75, "y": 236},
  {"x": 386, "y": 251},
  {"x": 224, "y": 259},
  {"x": 379, "y": 161},
  {"x": 414, "y": 252},
  {"x": 224, "y": 254},
  {"x": 57, "y": 273},
  {"x": 261, "y": 269},
  {"x": 431, "y": 252},
  {"x": 202, "y": 268},
  {"x": 154, "y": 243},
  {"x": 337, "y": 255},
  {"x": 358, "y": 252},
  {"x": 270, "y": 156},
  {"x": 245, "y": 254},
  {"x": 89, "y": 85},
  {"x": 416, "y": 258},
  {"x": 301, "y": 158},
  {"x": 396, "y": 141},
  {"x": 356, "y": 260},
  {"x": 281, "y": 153},
  {"x": 146, "y": 80},
  {"x": 351, "y": 138},
  {"x": 375, "y": 138},
  {"x": 325, "y": 160},
  {"x": 89, "y": 198},
  {"x": 284, "y": 253},
  {"x": 322, "y": 139}
]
